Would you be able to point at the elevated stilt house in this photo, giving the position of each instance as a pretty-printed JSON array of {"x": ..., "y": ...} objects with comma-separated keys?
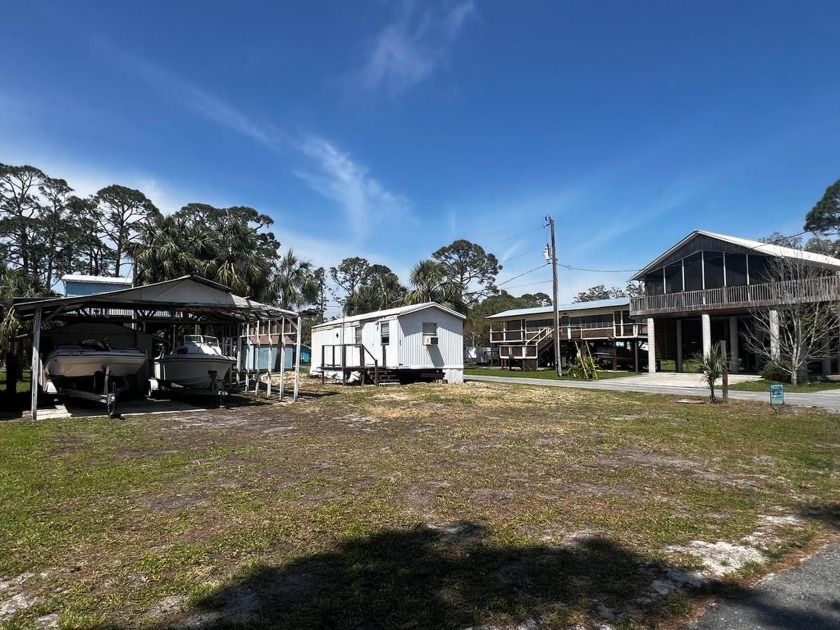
[
  {"x": 707, "y": 287},
  {"x": 524, "y": 337}
]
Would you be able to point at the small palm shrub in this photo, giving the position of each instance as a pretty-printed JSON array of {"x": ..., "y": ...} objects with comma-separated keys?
[{"x": 713, "y": 366}]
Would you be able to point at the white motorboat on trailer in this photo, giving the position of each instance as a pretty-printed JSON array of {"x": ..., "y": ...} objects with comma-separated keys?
[
  {"x": 87, "y": 358},
  {"x": 197, "y": 363}
]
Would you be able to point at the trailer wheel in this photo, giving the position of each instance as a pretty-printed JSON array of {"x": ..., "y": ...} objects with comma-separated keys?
[{"x": 111, "y": 400}]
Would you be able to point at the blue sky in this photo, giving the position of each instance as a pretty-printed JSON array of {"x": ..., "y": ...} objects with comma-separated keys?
[{"x": 388, "y": 129}]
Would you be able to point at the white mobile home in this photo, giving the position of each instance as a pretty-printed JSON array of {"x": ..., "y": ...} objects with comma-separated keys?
[{"x": 409, "y": 343}]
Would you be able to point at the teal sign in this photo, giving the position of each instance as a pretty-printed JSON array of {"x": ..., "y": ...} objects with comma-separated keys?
[{"x": 777, "y": 394}]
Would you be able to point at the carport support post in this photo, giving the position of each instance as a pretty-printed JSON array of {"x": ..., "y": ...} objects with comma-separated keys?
[
  {"x": 36, "y": 361},
  {"x": 268, "y": 365},
  {"x": 256, "y": 348},
  {"x": 282, "y": 352},
  {"x": 297, "y": 360},
  {"x": 651, "y": 341},
  {"x": 239, "y": 352}
]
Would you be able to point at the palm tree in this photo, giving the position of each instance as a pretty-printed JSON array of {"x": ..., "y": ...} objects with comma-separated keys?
[
  {"x": 244, "y": 258},
  {"x": 430, "y": 282},
  {"x": 713, "y": 366},
  {"x": 220, "y": 244},
  {"x": 15, "y": 283},
  {"x": 294, "y": 282},
  {"x": 169, "y": 246}
]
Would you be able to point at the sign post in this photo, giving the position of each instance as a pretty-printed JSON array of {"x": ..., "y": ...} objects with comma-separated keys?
[{"x": 777, "y": 394}]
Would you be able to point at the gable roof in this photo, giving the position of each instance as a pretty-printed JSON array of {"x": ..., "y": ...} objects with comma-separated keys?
[
  {"x": 76, "y": 277},
  {"x": 389, "y": 312},
  {"x": 187, "y": 293},
  {"x": 777, "y": 251},
  {"x": 612, "y": 303}
]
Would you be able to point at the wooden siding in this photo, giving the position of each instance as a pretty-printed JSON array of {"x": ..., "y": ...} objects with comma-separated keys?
[{"x": 704, "y": 243}]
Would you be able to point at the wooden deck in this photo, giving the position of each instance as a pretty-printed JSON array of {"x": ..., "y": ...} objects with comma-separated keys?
[{"x": 808, "y": 290}]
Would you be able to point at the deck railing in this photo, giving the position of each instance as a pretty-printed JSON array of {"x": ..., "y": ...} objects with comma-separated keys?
[
  {"x": 825, "y": 289},
  {"x": 589, "y": 331},
  {"x": 355, "y": 361}
]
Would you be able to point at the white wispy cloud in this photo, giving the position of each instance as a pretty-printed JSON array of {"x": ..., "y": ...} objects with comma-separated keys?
[
  {"x": 335, "y": 175},
  {"x": 408, "y": 50},
  {"x": 364, "y": 200},
  {"x": 186, "y": 93}
]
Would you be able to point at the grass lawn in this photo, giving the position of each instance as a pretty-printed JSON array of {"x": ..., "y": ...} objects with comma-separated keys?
[
  {"x": 427, "y": 506},
  {"x": 764, "y": 386},
  {"x": 22, "y": 386},
  {"x": 547, "y": 374}
]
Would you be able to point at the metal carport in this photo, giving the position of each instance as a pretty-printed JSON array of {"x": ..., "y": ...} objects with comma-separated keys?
[{"x": 189, "y": 300}]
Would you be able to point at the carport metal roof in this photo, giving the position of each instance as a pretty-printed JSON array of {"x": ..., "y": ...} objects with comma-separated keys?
[
  {"x": 186, "y": 299},
  {"x": 189, "y": 299}
]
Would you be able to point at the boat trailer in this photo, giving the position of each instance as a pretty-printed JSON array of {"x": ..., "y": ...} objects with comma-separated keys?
[
  {"x": 108, "y": 395},
  {"x": 216, "y": 387}
]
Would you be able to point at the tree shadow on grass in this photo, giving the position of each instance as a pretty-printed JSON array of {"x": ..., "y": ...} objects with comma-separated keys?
[
  {"x": 450, "y": 577},
  {"x": 826, "y": 513}
]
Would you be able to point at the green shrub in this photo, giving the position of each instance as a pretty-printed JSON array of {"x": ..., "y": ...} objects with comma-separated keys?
[{"x": 772, "y": 372}]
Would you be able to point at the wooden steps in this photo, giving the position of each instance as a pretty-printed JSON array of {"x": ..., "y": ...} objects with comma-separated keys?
[{"x": 389, "y": 377}]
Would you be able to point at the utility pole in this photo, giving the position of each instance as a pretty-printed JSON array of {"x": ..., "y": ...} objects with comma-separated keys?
[{"x": 551, "y": 256}]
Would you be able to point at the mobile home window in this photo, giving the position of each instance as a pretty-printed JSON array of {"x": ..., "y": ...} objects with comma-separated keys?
[
  {"x": 385, "y": 332},
  {"x": 358, "y": 335},
  {"x": 430, "y": 336}
]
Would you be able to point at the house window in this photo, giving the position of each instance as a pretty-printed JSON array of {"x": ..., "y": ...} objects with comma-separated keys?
[
  {"x": 385, "y": 332},
  {"x": 536, "y": 324},
  {"x": 673, "y": 278},
  {"x": 693, "y": 272},
  {"x": 358, "y": 335},
  {"x": 655, "y": 283},
  {"x": 714, "y": 269},
  {"x": 736, "y": 270}
]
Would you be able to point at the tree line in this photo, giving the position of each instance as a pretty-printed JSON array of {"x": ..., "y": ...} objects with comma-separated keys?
[{"x": 48, "y": 231}]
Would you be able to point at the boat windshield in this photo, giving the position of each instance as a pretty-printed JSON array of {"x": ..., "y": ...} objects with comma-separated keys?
[{"x": 201, "y": 339}]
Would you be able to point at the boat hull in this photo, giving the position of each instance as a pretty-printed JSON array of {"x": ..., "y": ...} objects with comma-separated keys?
[
  {"x": 83, "y": 363},
  {"x": 192, "y": 370}
]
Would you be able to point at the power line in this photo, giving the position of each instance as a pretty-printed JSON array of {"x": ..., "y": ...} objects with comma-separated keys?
[
  {"x": 570, "y": 268},
  {"x": 522, "y": 274},
  {"x": 531, "y": 284}
]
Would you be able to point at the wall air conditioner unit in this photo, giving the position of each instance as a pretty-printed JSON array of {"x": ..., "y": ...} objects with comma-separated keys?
[{"x": 430, "y": 340}]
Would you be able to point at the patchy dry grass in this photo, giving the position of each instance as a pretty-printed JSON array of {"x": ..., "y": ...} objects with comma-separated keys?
[{"x": 415, "y": 507}]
